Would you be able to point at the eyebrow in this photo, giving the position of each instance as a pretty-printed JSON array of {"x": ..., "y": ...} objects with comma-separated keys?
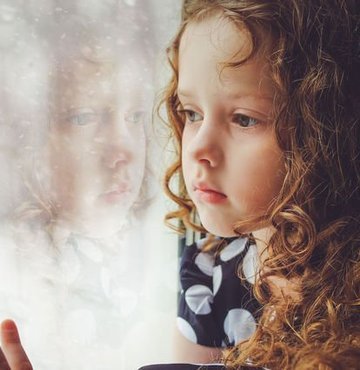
[{"x": 250, "y": 96}]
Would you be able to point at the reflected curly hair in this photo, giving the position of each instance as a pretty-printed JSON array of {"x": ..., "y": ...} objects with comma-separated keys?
[{"x": 315, "y": 67}]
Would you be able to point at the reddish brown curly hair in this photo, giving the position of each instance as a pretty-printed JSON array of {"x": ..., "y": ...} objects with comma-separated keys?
[{"x": 315, "y": 66}]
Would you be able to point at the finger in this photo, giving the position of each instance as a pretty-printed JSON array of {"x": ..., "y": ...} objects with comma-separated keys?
[
  {"x": 3, "y": 362},
  {"x": 12, "y": 348}
]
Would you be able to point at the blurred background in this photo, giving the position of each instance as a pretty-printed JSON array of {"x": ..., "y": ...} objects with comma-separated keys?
[{"x": 87, "y": 268}]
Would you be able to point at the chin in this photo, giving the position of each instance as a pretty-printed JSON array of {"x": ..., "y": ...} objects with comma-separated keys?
[
  {"x": 218, "y": 228},
  {"x": 100, "y": 225}
]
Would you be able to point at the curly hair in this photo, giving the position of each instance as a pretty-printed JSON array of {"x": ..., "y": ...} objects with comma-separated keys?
[{"x": 315, "y": 67}]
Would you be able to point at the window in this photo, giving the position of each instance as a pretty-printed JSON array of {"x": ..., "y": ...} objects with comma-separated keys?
[{"x": 88, "y": 269}]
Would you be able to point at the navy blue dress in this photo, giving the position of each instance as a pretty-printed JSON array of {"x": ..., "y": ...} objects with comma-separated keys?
[
  {"x": 182, "y": 367},
  {"x": 217, "y": 308}
]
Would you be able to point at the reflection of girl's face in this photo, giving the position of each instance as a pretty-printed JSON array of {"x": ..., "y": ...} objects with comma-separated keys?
[{"x": 97, "y": 144}]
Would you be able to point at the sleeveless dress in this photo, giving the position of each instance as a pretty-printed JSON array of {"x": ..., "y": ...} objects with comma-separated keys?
[
  {"x": 182, "y": 367},
  {"x": 217, "y": 307}
]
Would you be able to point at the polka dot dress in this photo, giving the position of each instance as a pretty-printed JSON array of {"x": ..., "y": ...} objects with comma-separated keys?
[
  {"x": 217, "y": 308},
  {"x": 182, "y": 367}
]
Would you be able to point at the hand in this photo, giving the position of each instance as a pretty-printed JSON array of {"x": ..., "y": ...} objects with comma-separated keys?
[{"x": 12, "y": 354}]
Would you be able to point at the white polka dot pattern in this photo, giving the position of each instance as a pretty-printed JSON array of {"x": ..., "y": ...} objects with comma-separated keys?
[
  {"x": 205, "y": 262},
  {"x": 200, "y": 243},
  {"x": 239, "y": 325},
  {"x": 199, "y": 299},
  {"x": 217, "y": 279},
  {"x": 215, "y": 306},
  {"x": 233, "y": 249},
  {"x": 250, "y": 264},
  {"x": 186, "y": 329}
]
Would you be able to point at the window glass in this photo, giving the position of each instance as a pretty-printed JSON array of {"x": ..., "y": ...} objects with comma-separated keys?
[{"x": 87, "y": 268}]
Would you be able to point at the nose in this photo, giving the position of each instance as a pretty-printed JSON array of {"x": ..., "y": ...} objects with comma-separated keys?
[
  {"x": 117, "y": 155},
  {"x": 205, "y": 145},
  {"x": 118, "y": 149}
]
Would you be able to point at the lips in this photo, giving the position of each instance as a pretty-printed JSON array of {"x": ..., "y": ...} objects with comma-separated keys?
[
  {"x": 208, "y": 194},
  {"x": 116, "y": 192}
]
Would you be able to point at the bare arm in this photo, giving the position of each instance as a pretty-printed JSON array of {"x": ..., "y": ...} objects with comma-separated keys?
[
  {"x": 186, "y": 351},
  {"x": 12, "y": 354}
]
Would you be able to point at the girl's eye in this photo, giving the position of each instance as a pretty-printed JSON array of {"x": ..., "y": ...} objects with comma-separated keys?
[
  {"x": 191, "y": 115},
  {"x": 244, "y": 120},
  {"x": 134, "y": 117},
  {"x": 83, "y": 119}
]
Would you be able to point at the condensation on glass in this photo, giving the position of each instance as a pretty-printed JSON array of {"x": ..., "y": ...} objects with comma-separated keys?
[{"x": 86, "y": 269}]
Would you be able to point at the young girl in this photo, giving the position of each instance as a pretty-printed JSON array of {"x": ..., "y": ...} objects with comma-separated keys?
[{"x": 264, "y": 107}]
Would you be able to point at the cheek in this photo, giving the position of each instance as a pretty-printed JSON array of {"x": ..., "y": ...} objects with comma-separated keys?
[
  {"x": 185, "y": 160},
  {"x": 186, "y": 171},
  {"x": 260, "y": 175},
  {"x": 75, "y": 166},
  {"x": 136, "y": 145},
  {"x": 137, "y": 167}
]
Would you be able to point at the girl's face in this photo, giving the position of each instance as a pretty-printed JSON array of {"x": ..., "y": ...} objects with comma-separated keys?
[
  {"x": 97, "y": 146},
  {"x": 232, "y": 164}
]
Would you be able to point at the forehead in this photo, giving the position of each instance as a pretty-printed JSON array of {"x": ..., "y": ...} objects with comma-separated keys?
[
  {"x": 219, "y": 37},
  {"x": 81, "y": 83},
  {"x": 207, "y": 46},
  {"x": 81, "y": 72}
]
